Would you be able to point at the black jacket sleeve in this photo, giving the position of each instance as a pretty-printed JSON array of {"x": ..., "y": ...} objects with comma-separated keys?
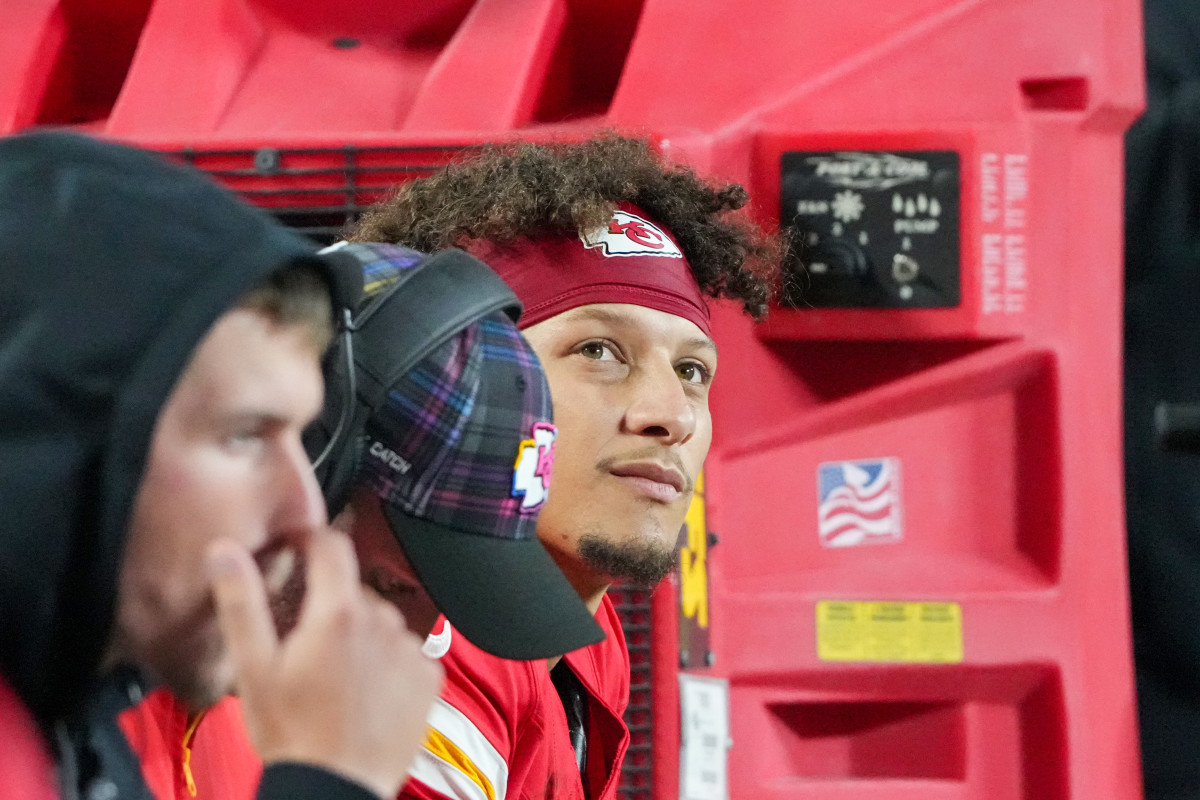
[{"x": 289, "y": 780}]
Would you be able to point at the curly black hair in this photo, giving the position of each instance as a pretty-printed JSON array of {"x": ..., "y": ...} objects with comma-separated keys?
[{"x": 503, "y": 192}]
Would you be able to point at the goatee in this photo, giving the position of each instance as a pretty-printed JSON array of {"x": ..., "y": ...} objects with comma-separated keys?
[{"x": 640, "y": 563}]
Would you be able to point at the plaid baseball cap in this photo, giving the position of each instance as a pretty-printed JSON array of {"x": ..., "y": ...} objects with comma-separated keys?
[{"x": 461, "y": 452}]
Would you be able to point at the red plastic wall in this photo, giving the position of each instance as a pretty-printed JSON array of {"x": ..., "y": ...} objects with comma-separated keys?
[{"x": 1003, "y": 412}]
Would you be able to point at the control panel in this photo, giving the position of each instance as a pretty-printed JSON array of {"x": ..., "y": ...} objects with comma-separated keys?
[{"x": 872, "y": 229}]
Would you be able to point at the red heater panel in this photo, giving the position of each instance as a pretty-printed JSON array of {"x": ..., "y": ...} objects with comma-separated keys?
[{"x": 906, "y": 577}]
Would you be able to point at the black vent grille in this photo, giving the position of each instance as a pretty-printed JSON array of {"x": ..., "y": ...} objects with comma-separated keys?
[
  {"x": 633, "y": 606},
  {"x": 318, "y": 191}
]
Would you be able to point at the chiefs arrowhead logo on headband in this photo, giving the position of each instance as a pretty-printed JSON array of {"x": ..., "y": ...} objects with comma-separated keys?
[
  {"x": 557, "y": 272},
  {"x": 627, "y": 234}
]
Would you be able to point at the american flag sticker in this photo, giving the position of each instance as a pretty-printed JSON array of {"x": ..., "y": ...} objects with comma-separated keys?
[{"x": 858, "y": 502}]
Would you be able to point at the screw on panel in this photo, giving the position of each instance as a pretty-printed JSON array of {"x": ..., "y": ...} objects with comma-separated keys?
[
  {"x": 710, "y": 658},
  {"x": 713, "y": 539},
  {"x": 267, "y": 159},
  {"x": 684, "y": 660}
]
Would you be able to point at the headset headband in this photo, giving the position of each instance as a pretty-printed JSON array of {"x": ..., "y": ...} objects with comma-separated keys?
[{"x": 428, "y": 303}]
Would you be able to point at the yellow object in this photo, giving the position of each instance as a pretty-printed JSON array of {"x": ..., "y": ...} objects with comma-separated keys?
[
  {"x": 693, "y": 561},
  {"x": 906, "y": 633},
  {"x": 188, "y": 735},
  {"x": 451, "y": 753}
]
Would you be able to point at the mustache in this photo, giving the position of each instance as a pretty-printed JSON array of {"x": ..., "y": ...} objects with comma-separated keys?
[{"x": 653, "y": 453}]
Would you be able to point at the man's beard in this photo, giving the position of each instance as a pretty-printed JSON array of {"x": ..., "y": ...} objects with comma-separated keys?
[{"x": 640, "y": 563}]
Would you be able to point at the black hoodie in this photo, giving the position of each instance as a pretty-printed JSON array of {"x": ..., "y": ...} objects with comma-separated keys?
[{"x": 114, "y": 265}]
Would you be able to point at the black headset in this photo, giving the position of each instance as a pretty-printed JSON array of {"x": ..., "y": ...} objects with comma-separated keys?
[{"x": 428, "y": 304}]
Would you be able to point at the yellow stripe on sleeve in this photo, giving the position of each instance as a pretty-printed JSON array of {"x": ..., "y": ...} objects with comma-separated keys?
[
  {"x": 447, "y": 751},
  {"x": 458, "y": 761}
]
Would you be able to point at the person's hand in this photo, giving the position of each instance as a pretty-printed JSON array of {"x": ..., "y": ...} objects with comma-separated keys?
[{"x": 348, "y": 689}]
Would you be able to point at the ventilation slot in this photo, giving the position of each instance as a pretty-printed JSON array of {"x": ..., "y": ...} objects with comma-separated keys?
[
  {"x": 585, "y": 69},
  {"x": 875, "y": 740},
  {"x": 93, "y": 46},
  {"x": 1055, "y": 94},
  {"x": 318, "y": 191}
]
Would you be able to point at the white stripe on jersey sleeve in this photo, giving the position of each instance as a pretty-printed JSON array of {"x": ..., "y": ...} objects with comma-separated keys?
[{"x": 441, "y": 774}]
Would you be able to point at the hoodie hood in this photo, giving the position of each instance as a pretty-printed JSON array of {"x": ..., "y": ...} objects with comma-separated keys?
[{"x": 115, "y": 264}]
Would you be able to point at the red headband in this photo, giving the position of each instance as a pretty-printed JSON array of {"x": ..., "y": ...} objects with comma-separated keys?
[{"x": 631, "y": 260}]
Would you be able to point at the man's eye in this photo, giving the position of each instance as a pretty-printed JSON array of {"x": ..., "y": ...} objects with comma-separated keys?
[
  {"x": 693, "y": 372},
  {"x": 597, "y": 351},
  {"x": 392, "y": 589},
  {"x": 241, "y": 439}
]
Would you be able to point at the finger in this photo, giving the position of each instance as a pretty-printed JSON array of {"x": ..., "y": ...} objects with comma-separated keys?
[
  {"x": 331, "y": 572},
  {"x": 241, "y": 603}
]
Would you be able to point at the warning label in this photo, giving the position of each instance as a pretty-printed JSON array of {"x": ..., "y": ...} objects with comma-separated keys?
[
  {"x": 906, "y": 633},
  {"x": 1004, "y": 178}
]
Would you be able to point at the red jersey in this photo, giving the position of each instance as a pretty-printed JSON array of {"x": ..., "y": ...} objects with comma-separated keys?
[
  {"x": 499, "y": 731},
  {"x": 183, "y": 759}
]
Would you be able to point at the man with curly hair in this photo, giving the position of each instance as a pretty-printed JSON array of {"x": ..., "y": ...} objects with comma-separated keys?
[{"x": 613, "y": 252}]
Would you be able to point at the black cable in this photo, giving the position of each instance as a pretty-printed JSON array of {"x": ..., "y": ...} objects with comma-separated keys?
[{"x": 351, "y": 384}]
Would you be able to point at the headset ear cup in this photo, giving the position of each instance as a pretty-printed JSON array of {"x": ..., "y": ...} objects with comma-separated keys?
[
  {"x": 326, "y": 455},
  {"x": 337, "y": 470},
  {"x": 343, "y": 463}
]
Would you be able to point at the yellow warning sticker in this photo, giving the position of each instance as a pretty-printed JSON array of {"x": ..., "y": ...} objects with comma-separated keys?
[{"x": 907, "y": 633}]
